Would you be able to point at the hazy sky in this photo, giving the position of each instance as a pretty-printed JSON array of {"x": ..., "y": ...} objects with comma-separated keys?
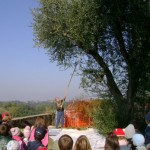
[{"x": 26, "y": 72}]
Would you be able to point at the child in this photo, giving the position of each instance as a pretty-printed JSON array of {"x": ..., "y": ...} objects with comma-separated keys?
[
  {"x": 6, "y": 118},
  {"x": 129, "y": 132},
  {"x": 13, "y": 145},
  {"x": 38, "y": 135},
  {"x": 40, "y": 122},
  {"x": 16, "y": 136},
  {"x": 65, "y": 142},
  {"x": 147, "y": 130},
  {"x": 82, "y": 143},
  {"x": 4, "y": 136},
  {"x": 121, "y": 136},
  {"x": 111, "y": 142},
  {"x": 26, "y": 133}
]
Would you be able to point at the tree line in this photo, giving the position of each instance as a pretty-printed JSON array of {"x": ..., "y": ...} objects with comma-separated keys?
[{"x": 21, "y": 109}]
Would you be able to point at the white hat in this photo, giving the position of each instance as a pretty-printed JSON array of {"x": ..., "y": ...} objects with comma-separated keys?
[
  {"x": 138, "y": 139},
  {"x": 129, "y": 131},
  {"x": 13, "y": 145}
]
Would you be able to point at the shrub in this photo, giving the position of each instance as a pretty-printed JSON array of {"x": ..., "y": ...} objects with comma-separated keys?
[{"x": 104, "y": 117}]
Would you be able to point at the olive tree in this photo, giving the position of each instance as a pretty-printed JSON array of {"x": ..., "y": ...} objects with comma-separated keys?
[{"x": 109, "y": 40}]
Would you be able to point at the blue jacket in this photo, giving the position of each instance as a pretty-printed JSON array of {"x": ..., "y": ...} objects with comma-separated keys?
[{"x": 147, "y": 135}]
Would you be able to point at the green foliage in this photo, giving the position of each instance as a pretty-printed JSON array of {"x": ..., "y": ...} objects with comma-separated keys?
[
  {"x": 121, "y": 112},
  {"x": 104, "y": 117}
]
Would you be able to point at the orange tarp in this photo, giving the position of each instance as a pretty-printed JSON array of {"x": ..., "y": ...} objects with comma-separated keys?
[{"x": 75, "y": 117}]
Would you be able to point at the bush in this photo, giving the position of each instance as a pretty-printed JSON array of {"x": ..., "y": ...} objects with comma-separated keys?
[{"x": 104, "y": 117}]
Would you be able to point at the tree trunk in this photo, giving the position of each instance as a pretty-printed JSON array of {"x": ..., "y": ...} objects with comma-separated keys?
[{"x": 113, "y": 88}]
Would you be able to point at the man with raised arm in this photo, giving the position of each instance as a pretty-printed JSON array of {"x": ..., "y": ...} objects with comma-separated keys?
[{"x": 60, "y": 111}]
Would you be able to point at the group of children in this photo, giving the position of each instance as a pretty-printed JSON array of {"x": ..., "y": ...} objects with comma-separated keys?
[
  {"x": 36, "y": 137},
  {"x": 125, "y": 139},
  {"x": 30, "y": 138}
]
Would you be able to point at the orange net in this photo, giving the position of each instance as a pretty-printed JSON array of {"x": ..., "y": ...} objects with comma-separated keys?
[{"x": 77, "y": 114}]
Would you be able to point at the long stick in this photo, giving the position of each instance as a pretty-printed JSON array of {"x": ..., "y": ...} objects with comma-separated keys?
[{"x": 70, "y": 80}]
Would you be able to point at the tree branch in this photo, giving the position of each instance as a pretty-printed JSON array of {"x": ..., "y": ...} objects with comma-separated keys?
[
  {"x": 110, "y": 80},
  {"x": 119, "y": 36}
]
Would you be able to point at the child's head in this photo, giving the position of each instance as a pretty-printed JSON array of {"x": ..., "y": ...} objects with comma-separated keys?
[
  {"x": 4, "y": 130},
  {"x": 27, "y": 131},
  {"x": 15, "y": 131},
  {"x": 65, "y": 142},
  {"x": 82, "y": 143},
  {"x": 111, "y": 142},
  {"x": 6, "y": 117},
  {"x": 119, "y": 132},
  {"x": 39, "y": 133},
  {"x": 40, "y": 122},
  {"x": 13, "y": 145}
]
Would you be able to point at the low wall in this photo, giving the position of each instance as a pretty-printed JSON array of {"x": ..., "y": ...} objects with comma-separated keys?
[{"x": 30, "y": 120}]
